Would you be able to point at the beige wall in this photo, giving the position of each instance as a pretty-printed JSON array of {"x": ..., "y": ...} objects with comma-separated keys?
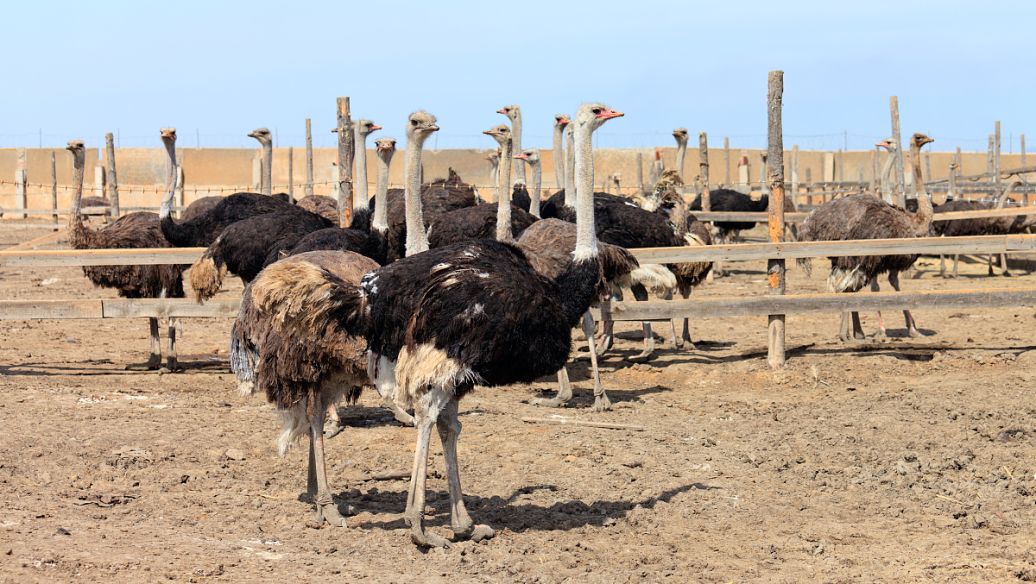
[{"x": 141, "y": 171}]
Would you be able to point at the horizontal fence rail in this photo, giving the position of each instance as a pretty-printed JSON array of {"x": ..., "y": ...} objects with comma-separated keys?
[{"x": 979, "y": 244}]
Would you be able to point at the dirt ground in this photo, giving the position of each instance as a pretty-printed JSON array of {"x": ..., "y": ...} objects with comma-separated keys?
[{"x": 898, "y": 461}]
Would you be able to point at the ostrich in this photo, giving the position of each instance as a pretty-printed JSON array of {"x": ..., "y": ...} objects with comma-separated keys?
[
  {"x": 322, "y": 205},
  {"x": 531, "y": 156},
  {"x": 680, "y": 135},
  {"x": 984, "y": 226},
  {"x": 733, "y": 201},
  {"x": 265, "y": 139},
  {"x": 361, "y": 205},
  {"x": 494, "y": 165},
  {"x": 514, "y": 113},
  {"x": 482, "y": 221},
  {"x": 560, "y": 121},
  {"x": 133, "y": 230},
  {"x": 202, "y": 229},
  {"x": 864, "y": 216},
  {"x": 438, "y": 197},
  {"x": 372, "y": 243}
]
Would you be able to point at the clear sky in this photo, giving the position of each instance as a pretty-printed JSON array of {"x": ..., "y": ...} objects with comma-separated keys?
[{"x": 216, "y": 70}]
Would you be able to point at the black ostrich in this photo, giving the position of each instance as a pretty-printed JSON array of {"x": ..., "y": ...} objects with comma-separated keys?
[
  {"x": 437, "y": 197},
  {"x": 864, "y": 216},
  {"x": 480, "y": 222},
  {"x": 729, "y": 200},
  {"x": 201, "y": 229},
  {"x": 134, "y": 230}
]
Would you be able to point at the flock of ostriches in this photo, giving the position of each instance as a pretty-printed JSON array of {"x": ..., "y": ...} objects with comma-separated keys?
[{"x": 431, "y": 291}]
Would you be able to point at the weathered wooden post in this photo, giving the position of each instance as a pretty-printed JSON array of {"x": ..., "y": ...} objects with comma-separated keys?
[
  {"x": 989, "y": 157},
  {"x": 291, "y": 174},
  {"x": 20, "y": 183},
  {"x": 794, "y": 173},
  {"x": 1022, "y": 138},
  {"x": 54, "y": 190},
  {"x": 113, "y": 180},
  {"x": 309, "y": 159},
  {"x": 996, "y": 158},
  {"x": 809, "y": 187},
  {"x": 775, "y": 214},
  {"x": 897, "y": 138},
  {"x": 703, "y": 170},
  {"x": 346, "y": 151},
  {"x": 726, "y": 160},
  {"x": 640, "y": 171}
]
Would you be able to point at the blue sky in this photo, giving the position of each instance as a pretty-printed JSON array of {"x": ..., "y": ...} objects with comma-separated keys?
[{"x": 216, "y": 70}]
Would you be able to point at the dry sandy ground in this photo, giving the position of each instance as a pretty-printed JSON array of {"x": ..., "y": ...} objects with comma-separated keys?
[{"x": 906, "y": 460}]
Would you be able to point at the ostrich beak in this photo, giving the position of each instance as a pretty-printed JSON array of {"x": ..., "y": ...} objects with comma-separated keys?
[
  {"x": 375, "y": 127},
  {"x": 609, "y": 114},
  {"x": 502, "y": 110}
]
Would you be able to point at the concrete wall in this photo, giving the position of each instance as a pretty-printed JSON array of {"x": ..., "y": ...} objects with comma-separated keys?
[{"x": 216, "y": 171}]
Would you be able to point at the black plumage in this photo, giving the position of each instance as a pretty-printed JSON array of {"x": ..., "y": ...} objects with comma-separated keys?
[
  {"x": 730, "y": 200},
  {"x": 203, "y": 229},
  {"x": 372, "y": 244},
  {"x": 478, "y": 222}
]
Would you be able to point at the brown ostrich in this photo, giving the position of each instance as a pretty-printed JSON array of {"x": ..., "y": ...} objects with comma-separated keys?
[
  {"x": 864, "y": 216},
  {"x": 531, "y": 156},
  {"x": 134, "y": 230}
]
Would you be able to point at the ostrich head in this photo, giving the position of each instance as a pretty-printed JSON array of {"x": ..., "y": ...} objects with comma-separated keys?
[
  {"x": 561, "y": 120},
  {"x": 365, "y": 127},
  {"x": 75, "y": 146},
  {"x": 511, "y": 111},
  {"x": 263, "y": 135},
  {"x": 680, "y": 134},
  {"x": 529, "y": 155},
  {"x": 888, "y": 144},
  {"x": 594, "y": 115},
  {"x": 494, "y": 156},
  {"x": 420, "y": 125},
  {"x": 168, "y": 135},
  {"x": 385, "y": 145},
  {"x": 918, "y": 140},
  {"x": 500, "y": 133}
]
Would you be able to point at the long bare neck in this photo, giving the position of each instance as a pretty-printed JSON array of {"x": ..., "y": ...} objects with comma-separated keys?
[
  {"x": 570, "y": 169},
  {"x": 516, "y": 144},
  {"x": 360, "y": 195},
  {"x": 886, "y": 176},
  {"x": 559, "y": 156},
  {"x": 586, "y": 236},
  {"x": 681, "y": 154},
  {"x": 380, "y": 220},
  {"x": 503, "y": 196},
  {"x": 165, "y": 211},
  {"x": 78, "y": 233},
  {"x": 924, "y": 204},
  {"x": 537, "y": 184},
  {"x": 416, "y": 238},
  {"x": 268, "y": 168}
]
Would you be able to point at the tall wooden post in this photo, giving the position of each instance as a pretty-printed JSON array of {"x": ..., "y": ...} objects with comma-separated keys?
[
  {"x": 794, "y": 173},
  {"x": 291, "y": 174},
  {"x": 640, "y": 171},
  {"x": 346, "y": 151},
  {"x": 309, "y": 159},
  {"x": 996, "y": 158},
  {"x": 1022, "y": 138},
  {"x": 775, "y": 213},
  {"x": 54, "y": 189},
  {"x": 703, "y": 170},
  {"x": 897, "y": 138},
  {"x": 113, "y": 180},
  {"x": 20, "y": 183},
  {"x": 726, "y": 160},
  {"x": 989, "y": 157}
]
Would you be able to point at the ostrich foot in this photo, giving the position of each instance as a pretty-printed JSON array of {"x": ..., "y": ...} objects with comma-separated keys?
[
  {"x": 915, "y": 334},
  {"x": 172, "y": 366},
  {"x": 643, "y": 356},
  {"x": 553, "y": 402},
  {"x": 1007, "y": 274},
  {"x": 475, "y": 533},
  {"x": 422, "y": 538},
  {"x": 604, "y": 344},
  {"x": 401, "y": 416},
  {"x": 329, "y": 513},
  {"x": 153, "y": 364},
  {"x": 601, "y": 404},
  {"x": 332, "y": 427}
]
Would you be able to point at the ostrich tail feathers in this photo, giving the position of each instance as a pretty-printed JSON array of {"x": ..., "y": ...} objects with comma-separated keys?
[
  {"x": 309, "y": 296},
  {"x": 207, "y": 277},
  {"x": 806, "y": 264},
  {"x": 655, "y": 277}
]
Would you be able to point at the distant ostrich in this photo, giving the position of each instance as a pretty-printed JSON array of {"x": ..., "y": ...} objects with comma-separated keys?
[
  {"x": 680, "y": 135},
  {"x": 733, "y": 201},
  {"x": 361, "y": 205},
  {"x": 864, "y": 216},
  {"x": 494, "y": 165},
  {"x": 133, "y": 230},
  {"x": 323, "y": 205},
  {"x": 514, "y": 113},
  {"x": 980, "y": 226},
  {"x": 265, "y": 139},
  {"x": 438, "y": 197},
  {"x": 531, "y": 156},
  {"x": 201, "y": 229},
  {"x": 560, "y": 121},
  {"x": 480, "y": 222}
]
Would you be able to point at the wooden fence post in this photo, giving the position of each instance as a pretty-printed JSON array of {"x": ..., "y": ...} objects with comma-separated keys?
[
  {"x": 996, "y": 158},
  {"x": 640, "y": 171},
  {"x": 809, "y": 187},
  {"x": 897, "y": 138},
  {"x": 703, "y": 170},
  {"x": 989, "y": 157},
  {"x": 726, "y": 160},
  {"x": 309, "y": 159},
  {"x": 291, "y": 174},
  {"x": 775, "y": 223},
  {"x": 794, "y": 173},
  {"x": 346, "y": 152},
  {"x": 1022, "y": 138},
  {"x": 54, "y": 189},
  {"x": 20, "y": 184},
  {"x": 113, "y": 180}
]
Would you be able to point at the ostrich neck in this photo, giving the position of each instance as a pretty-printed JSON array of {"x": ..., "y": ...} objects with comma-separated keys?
[
  {"x": 360, "y": 196},
  {"x": 537, "y": 183},
  {"x": 416, "y": 238},
  {"x": 559, "y": 157},
  {"x": 516, "y": 145},
  {"x": 503, "y": 197},
  {"x": 267, "y": 168},
  {"x": 570, "y": 170},
  {"x": 380, "y": 220},
  {"x": 681, "y": 154},
  {"x": 78, "y": 233},
  {"x": 165, "y": 212},
  {"x": 924, "y": 204},
  {"x": 586, "y": 236}
]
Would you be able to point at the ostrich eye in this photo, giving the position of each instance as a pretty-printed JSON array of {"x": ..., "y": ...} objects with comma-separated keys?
[
  {"x": 596, "y": 110},
  {"x": 413, "y": 122}
]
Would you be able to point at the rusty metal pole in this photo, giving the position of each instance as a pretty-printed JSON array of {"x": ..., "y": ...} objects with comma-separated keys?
[{"x": 775, "y": 223}]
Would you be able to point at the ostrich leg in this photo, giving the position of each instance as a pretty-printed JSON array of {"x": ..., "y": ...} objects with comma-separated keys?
[
  {"x": 857, "y": 327},
  {"x": 171, "y": 362},
  {"x": 677, "y": 341},
  {"x": 640, "y": 293},
  {"x": 911, "y": 324},
  {"x": 686, "y": 335},
  {"x": 956, "y": 260},
  {"x": 426, "y": 413},
  {"x": 461, "y": 523},
  {"x": 564, "y": 389},
  {"x": 1003, "y": 266},
  {"x": 882, "y": 332},
  {"x": 332, "y": 423},
  {"x": 601, "y": 401},
  {"x": 154, "y": 361},
  {"x": 317, "y": 476},
  {"x": 607, "y": 329}
]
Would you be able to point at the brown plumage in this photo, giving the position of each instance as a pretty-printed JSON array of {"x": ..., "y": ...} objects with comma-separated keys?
[
  {"x": 135, "y": 230},
  {"x": 322, "y": 205},
  {"x": 199, "y": 207}
]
